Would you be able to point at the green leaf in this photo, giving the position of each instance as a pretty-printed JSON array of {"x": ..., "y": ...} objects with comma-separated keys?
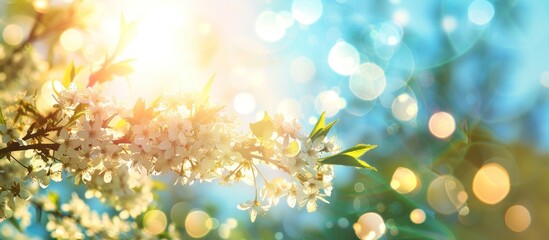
[
  {"x": 321, "y": 129},
  {"x": 323, "y": 132},
  {"x": 107, "y": 73},
  {"x": 139, "y": 108},
  {"x": 207, "y": 88},
  {"x": 319, "y": 125},
  {"x": 121, "y": 69},
  {"x": 350, "y": 157},
  {"x": 54, "y": 197},
  {"x": 358, "y": 150},
  {"x": 69, "y": 75},
  {"x": 141, "y": 113},
  {"x": 70, "y": 72},
  {"x": 127, "y": 32},
  {"x": 159, "y": 185},
  {"x": 2, "y": 120},
  {"x": 264, "y": 128},
  {"x": 78, "y": 112}
]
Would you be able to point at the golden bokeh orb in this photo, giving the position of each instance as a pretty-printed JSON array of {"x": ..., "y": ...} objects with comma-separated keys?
[
  {"x": 369, "y": 226},
  {"x": 491, "y": 183},
  {"x": 442, "y": 125},
  {"x": 418, "y": 216},
  {"x": 517, "y": 218},
  {"x": 198, "y": 224},
  {"x": 13, "y": 34},
  {"x": 155, "y": 222},
  {"x": 404, "y": 180}
]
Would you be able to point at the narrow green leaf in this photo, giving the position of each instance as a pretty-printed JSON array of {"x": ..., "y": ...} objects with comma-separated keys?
[
  {"x": 358, "y": 150},
  {"x": 121, "y": 69},
  {"x": 319, "y": 125},
  {"x": 207, "y": 88},
  {"x": 78, "y": 112},
  {"x": 139, "y": 108},
  {"x": 127, "y": 32},
  {"x": 123, "y": 22},
  {"x": 68, "y": 76},
  {"x": 2, "y": 120},
  {"x": 346, "y": 160},
  {"x": 264, "y": 128},
  {"x": 349, "y": 157},
  {"x": 323, "y": 132}
]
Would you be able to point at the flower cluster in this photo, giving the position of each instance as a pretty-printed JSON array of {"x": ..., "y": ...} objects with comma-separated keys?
[
  {"x": 64, "y": 224},
  {"x": 114, "y": 150}
]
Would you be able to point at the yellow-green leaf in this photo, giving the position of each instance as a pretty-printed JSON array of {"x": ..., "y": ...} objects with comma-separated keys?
[
  {"x": 78, "y": 112},
  {"x": 122, "y": 68},
  {"x": 350, "y": 157},
  {"x": 323, "y": 132},
  {"x": 319, "y": 124},
  {"x": 127, "y": 32},
  {"x": 207, "y": 88},
  {"x": 69, "y": 75},
  {"x": 2, "y": 120},
  {"x": 264, "y": 128},
  {"x": 358, "y": 150},
  {"x": 346, "y": 160}
]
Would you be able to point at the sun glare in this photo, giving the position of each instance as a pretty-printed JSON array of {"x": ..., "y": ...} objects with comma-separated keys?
[{"x": 161, "y": 48}]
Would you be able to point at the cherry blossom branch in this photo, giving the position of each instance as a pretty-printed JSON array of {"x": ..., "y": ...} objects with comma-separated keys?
[{"x": 13, "y": 148}]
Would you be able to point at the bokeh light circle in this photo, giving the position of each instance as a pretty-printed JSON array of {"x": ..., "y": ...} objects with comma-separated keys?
[
  {"x": 368, "y": 81},
  {"x": 442, "y": 125},
  {"x": 244, "y": 103},
  {"x": 418, "y": 216},
  {"x": 197, "y": 224},
  {"x": 289, "y": 108},
  {"x": 404, "y": 180},
  {"x": 517, "y": 218},
  {"x": 343, "y": 58},
  {"x": 302, "y": 69},
  {"x": 307, "y": 11},
  {"x": 71, "y": 40},
  {"x": 491, "y": 183},
  {"x": 270, "y": 27},
  {"x": 41, "y": 6},
  {"x": 155, "y": 222},
  {"x": 179, "y": 212},
  {"x": 390, "y": 34},
  {"x": 12, "y": 34},
  {"x": 404, "y": 107},
  {"x": 329, "y": 102},
  {"x": 446, "y": 194},
  {"x": 370, "y": 226},
  {"x": 544, "y": 79},
  {"x": 480, "y": 12}
]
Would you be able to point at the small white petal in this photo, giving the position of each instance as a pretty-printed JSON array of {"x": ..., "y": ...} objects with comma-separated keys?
[
  {"x": 243, "y": 206},
  {"x": 86, "y": 177},
  {"x": 253, "y": 215},
  {"x": 164, "y": 145},
  {"x": 24, "y": 194},
  {"x": 291, "y": 201},
  {"x": 311, "y": 206},
  {"x": 44, "y": 182},
  {"x": 107, "y": 177}
]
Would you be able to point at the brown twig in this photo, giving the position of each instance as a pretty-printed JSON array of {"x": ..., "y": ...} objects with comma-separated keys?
[{"x": 13, "y": 148}]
